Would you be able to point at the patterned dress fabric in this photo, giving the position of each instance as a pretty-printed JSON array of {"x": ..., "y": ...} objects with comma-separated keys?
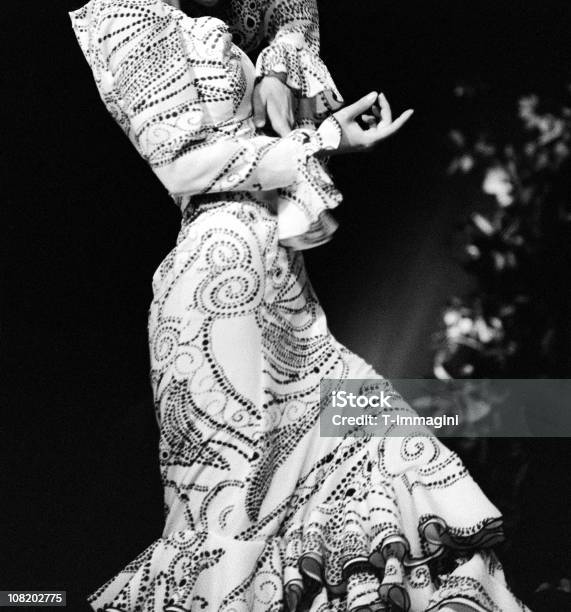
[
  {"x": 292, "y": 29},
  {"x": 261, "y": 512}
]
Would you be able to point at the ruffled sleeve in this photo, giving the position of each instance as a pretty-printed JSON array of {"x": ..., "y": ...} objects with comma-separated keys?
[
  {"x": 173, "y": 84},
  {"x": 292, "y": 29},
  {"x": 165, "y": 78}
]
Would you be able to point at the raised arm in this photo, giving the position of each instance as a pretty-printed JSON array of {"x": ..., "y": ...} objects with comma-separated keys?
[
  {"x": 291, "y": 28},
  {"x": 169, "y": 81},
  {"x": 293, "y": 84},
  {"x": 292, "y": 20}
]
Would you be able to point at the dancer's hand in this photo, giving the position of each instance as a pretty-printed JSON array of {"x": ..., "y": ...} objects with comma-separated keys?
[
  {"x": 374, "y": 110},
  {"x": 273, "y": 103}
]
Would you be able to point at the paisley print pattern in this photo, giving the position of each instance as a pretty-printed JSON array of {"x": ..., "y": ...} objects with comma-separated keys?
[{"x": 261, "y": 512}]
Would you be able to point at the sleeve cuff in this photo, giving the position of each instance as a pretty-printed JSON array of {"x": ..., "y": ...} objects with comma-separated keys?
[
  {"x": 305, "y": 72},
  {"x": 304, "y": 218}
]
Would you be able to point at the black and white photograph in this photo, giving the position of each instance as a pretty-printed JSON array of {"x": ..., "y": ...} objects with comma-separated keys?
[{"x": 286, "y": 306}]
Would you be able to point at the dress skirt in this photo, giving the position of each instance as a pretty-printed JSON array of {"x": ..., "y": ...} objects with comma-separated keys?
[{"x": 262, "y": 513}]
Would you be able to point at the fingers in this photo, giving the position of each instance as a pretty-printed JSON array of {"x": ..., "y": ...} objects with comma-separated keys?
[
  {"x": 375, "y": 134},
  {"x": 273, "y": 103},
  {"x": 369, "y": 120},
  {"x": 385, "y": 110},
  {"x": 280, "y": 119},
  {"x": 400, "y": 121},
  {"x": 373, "y": 116},
  {"x": 376, "y": 110},
  {"x": 382, "y": 131},
  {"x": 290, "y": 118},
  {"x": 358, "y": 108},
  {"x": 259, "y": 109}
]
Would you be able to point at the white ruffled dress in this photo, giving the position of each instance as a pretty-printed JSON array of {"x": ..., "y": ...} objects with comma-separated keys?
[{"x": 262, "y": 513}]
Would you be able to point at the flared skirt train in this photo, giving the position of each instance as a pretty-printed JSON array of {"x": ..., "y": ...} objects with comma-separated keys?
[{"x": 262, "y": 512}]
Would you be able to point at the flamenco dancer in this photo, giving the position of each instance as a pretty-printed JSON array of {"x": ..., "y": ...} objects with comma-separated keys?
[{"x": 263, "y": 514}]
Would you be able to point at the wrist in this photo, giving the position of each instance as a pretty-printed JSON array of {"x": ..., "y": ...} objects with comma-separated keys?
[
  {"x": 329, "y": 135},
  {"x": 281, "y": 76}
]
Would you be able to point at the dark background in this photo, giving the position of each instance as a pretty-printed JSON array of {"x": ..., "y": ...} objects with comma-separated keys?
[{"x": 88, "y": 224}]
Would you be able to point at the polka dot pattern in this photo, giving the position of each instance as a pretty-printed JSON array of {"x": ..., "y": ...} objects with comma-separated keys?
[
  {"x": 181, "y": 91},
  {"x": 291, "y": 27},
  {"x": 261, "y": 512}
]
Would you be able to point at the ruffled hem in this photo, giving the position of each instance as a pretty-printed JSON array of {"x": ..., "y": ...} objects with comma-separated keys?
[
  {"x": 305, "y": 72},
  {"x": 191, "y": 570},
  {"x": 360, "y": 550},
  {"x": 304, "y": 220}
]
